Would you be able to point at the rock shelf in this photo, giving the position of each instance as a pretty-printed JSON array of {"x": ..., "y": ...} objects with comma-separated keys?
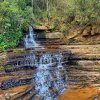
[{"x": 82, "y": 69}]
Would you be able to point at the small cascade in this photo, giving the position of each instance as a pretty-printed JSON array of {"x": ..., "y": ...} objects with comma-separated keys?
[
  {"x": 59, "y": 59},
  {"x": 49, "y": 77},
  {"x": 30, "y": 39},
  {"x": 37, "y": 59},
  {"x": 50, "y": 82}
]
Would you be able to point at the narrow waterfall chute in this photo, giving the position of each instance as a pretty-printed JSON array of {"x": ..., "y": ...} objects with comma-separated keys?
[{"x": 29, "y": 39}]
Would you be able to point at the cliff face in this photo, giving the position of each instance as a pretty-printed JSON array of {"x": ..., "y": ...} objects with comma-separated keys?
[
  {"x": 84, "y": 35},
  {"x": 75, "y": 35}
]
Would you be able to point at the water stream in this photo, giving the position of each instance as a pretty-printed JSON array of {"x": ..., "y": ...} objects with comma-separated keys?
[
  {"x": 29, "y": 39},
  {"x": 48, "y": 72},
  {"x": 49, "y": 77},
  {"x": 49, "y": 80}
]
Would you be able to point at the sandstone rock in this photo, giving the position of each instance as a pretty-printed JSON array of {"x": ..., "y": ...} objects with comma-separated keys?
[
  {"x": 95, "y": 30},
  {"x": 74, "y": 32},
  {"x": 40, "y": 27},
  {"x": 81, "y": 94},
  {"x": 54, "y": 35},
  {"x": 86, "y": 31}
]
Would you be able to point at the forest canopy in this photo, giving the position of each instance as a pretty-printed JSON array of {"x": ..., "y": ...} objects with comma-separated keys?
[{"x": 16, "y": 15}]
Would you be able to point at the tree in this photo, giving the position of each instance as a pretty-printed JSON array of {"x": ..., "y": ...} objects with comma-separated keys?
[{"x": 14, "y": 16}]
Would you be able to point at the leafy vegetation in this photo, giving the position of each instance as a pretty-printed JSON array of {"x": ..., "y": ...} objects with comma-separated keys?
[
  {"x": 16, "y": 15},
  {"x": 85, "y": 11},
  {"x": 67, "y": 12},
  {"x": 2, "y": 68}
]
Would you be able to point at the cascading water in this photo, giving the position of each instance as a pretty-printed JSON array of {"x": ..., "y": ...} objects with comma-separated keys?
[
  {"x": 30, "y": 39},
  {"x": 49, "y": 76}
]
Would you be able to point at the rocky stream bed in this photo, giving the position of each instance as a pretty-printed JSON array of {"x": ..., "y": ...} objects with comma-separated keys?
[
  {"x": 45, "y": 74},
  {"x": 18, "y": 82}
]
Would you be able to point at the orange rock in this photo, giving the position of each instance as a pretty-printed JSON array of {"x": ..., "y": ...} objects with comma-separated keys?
[{"x": 81, "y": 94}]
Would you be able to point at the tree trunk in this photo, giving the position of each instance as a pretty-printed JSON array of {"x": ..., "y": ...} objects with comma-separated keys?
[
  {"x": 32, "y": 7},
  {"x": 47, "y": 7}
]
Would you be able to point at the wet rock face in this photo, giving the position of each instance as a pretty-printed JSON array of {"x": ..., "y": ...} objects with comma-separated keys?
[
  {"x": 35, "y": 59},
  {"x": 49, "y": 76},
  {"x": 8, "y": 70},
  {"x": 14, "y": 82}
]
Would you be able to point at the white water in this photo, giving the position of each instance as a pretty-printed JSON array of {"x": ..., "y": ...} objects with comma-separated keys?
[
  {"x": 49, "y": 80},
  {"x": 49, "y": 77},
  {"x": 29, "y": 39}
]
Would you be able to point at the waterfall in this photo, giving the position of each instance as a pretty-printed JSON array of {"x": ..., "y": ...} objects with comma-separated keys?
[
  {"x": 49, "y": 78},
  {"x": 49, "y": 74},
  {"x": 29, "y": 39}
]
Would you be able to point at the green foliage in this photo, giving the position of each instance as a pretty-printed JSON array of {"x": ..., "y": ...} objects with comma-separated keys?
[
  {"x": 14, "y": 16},
  {"x": 2, "y": 68},
  {"x": 8, "y": 40},
  {"x": 49, "y": 11},
  {"x": 81, "y": 12},
  {"x": 84, "y": 11}
]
